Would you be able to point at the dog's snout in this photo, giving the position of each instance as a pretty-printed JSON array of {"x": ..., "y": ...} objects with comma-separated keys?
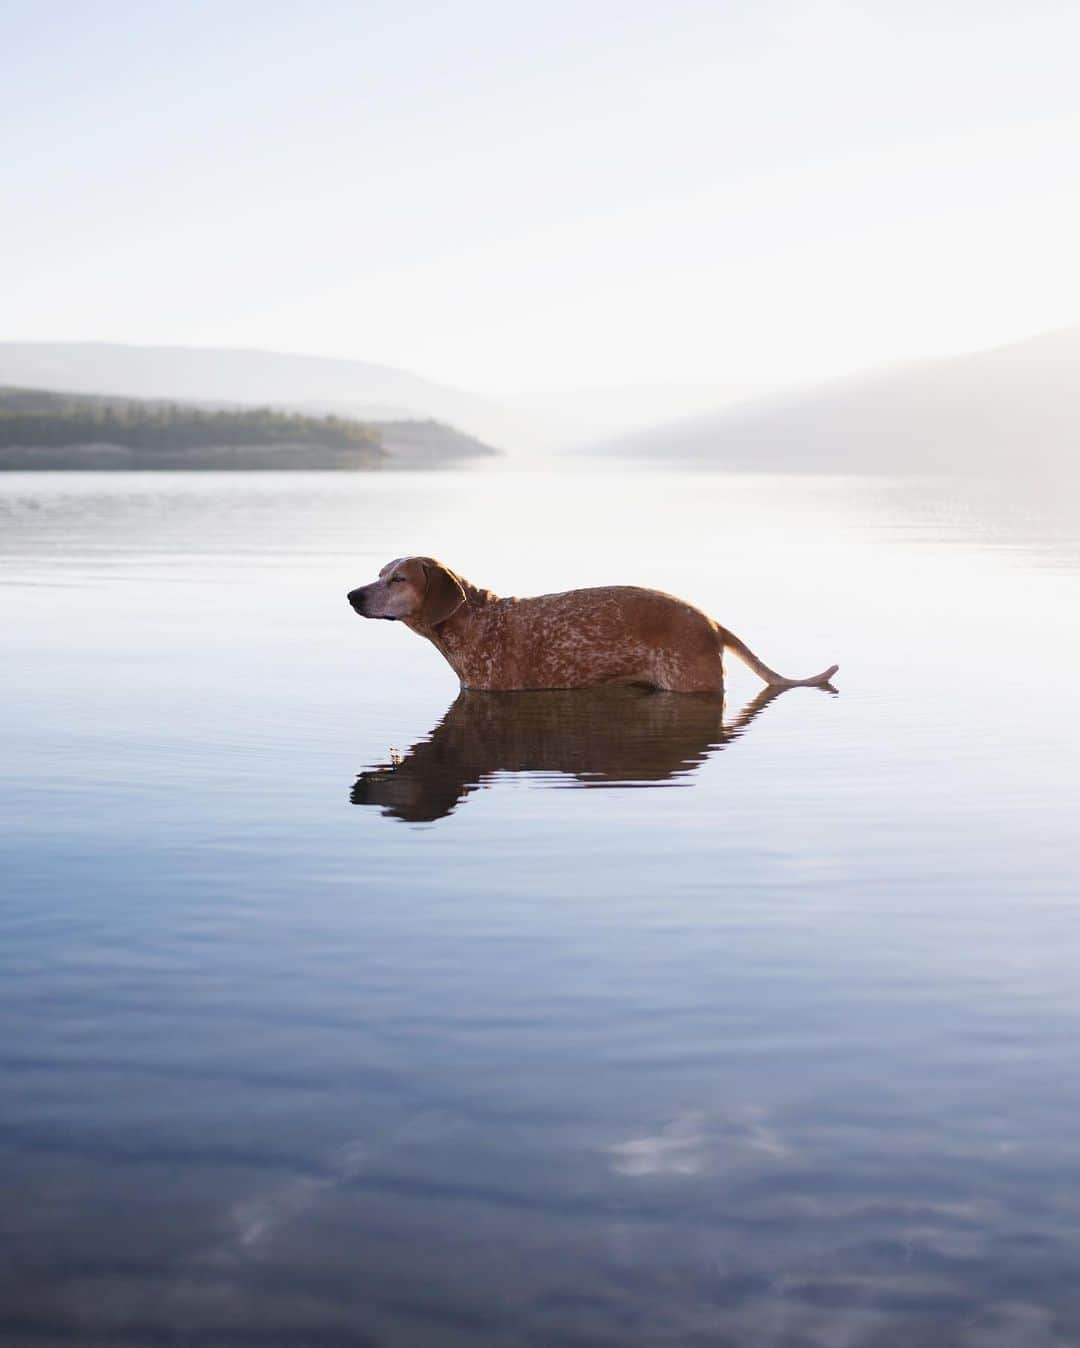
[{"x": 356, "y": 598}]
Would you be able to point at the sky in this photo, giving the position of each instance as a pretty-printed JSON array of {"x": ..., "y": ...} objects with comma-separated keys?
[{"x": 515, "y": 197}]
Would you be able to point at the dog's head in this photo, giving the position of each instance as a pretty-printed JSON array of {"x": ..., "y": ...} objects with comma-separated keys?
[{"x": 416, "y": 590}]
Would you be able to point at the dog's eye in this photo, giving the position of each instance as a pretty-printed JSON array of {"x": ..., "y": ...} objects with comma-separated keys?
[{"x": 395, "y": 579}]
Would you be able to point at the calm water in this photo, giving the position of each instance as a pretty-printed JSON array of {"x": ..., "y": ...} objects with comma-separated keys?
[{"x": 341, "y": 1010}]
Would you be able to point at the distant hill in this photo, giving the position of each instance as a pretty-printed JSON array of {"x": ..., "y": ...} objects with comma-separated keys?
[
  {"x": 427, "y": 443},
  {"x": 312, "y": 384},
  {"x": 40, "y": 429},
  {"x": 1015, "y": 408}
]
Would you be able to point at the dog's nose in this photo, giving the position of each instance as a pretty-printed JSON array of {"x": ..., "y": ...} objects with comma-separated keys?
[{"x": 355, "y": 598}]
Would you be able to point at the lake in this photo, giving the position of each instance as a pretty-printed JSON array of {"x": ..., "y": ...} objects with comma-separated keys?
[{"x": 341, "y": 1010}]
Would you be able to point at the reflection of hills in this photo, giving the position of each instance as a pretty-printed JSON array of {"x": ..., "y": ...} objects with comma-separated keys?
[
  {"x": 1029, "y": 517},
  {"x": 605, "y": 736},
  {"x": 1014, "y": 408}
]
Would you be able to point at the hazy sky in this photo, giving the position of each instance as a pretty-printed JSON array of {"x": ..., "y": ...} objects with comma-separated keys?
[{"x": 507, "y": 195}]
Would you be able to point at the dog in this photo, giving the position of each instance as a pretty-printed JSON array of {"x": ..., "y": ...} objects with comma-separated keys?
[{"x": 614, "y": 634}]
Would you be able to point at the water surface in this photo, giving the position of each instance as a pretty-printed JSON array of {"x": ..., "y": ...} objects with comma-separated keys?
[{"x": 342, "y": 1009}]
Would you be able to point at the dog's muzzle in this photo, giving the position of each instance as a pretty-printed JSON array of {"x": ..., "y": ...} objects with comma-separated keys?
[{"x": 357, "y": 600}]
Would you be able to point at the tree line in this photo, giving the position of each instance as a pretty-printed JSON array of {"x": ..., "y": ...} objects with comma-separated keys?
[{"x": 29, "y": 420}]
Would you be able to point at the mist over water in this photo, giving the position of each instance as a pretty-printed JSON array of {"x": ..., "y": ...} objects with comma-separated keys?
[{"x": 343, "y": 1009}]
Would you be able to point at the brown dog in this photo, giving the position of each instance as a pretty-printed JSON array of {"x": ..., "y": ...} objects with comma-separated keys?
[{"x": 577, "y": 639}]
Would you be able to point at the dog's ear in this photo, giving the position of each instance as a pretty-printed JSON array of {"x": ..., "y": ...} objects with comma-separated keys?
[{"x": 442, "y": 597}]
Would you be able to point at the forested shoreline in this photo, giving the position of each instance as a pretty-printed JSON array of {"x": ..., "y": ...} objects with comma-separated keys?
[
  {"x": 31, "y": 420},
  {"x": 58, "y": 431}
]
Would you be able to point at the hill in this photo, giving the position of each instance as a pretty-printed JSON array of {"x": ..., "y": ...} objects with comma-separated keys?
[
  {"x": 41, "y": 429},
  {"x": 307, "y": 384},
  {"x": 1015, "y": 408}
]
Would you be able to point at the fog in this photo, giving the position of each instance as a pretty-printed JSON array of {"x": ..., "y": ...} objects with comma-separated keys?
[
  {"x": 764, "y": 236},
  {"x": 1011, "y": 410},
  {"x": 1014, "y": 410},
  {"x": 511, "y": 201}
]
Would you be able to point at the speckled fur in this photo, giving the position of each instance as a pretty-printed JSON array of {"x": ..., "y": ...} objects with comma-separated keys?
[{"x": 615, "y": 634}]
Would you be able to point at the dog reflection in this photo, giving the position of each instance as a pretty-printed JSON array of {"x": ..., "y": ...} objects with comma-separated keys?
[{"x": 606, "y": 736}]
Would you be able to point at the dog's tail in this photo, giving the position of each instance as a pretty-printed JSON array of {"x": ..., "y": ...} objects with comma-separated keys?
[{"x": 762, "y": 670}]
